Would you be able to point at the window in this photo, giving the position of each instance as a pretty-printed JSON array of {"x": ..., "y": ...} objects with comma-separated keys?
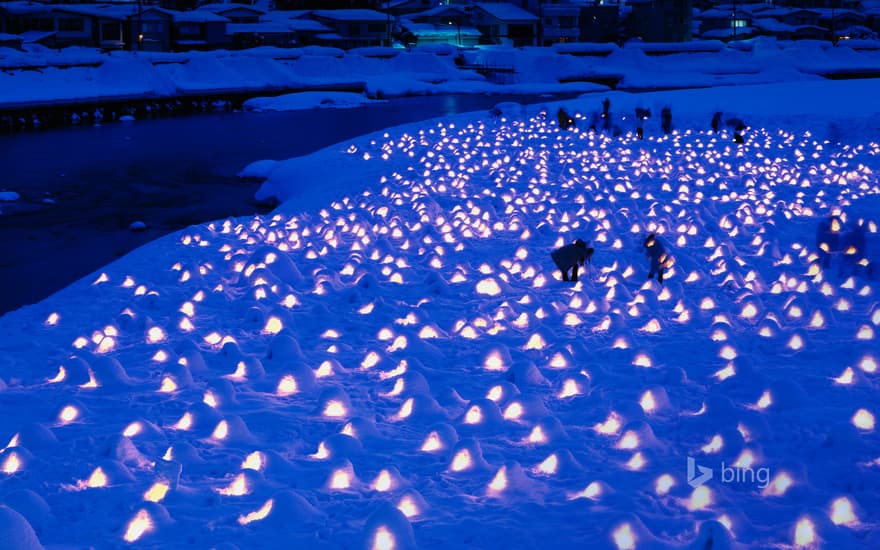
[
  {"x": 738, "y": 23},
  {"x": 153, "y": 27},
  {"x": 188, "y": 29},
  {"x": 111, "y": 31},
  {"x": 71, "y": 24}
]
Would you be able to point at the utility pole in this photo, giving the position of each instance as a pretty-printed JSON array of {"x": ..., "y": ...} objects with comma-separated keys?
[
  {"x": 139, "y": 39},
  {"x": 388, "y": 21},
  {"x": 734, "y": 19},
  {"x": 540, "y": 22}
]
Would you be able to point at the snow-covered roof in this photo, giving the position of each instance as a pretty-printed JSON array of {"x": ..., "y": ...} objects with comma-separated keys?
[
  {"x": 220, "y": 8},
  {"x": 108, "y": 11},
  {"x": 24, "y": 8},
  {"x": 506, "y": 12},
  {"x": 827, "y": 14},
  {"x": 306, "y": 25},
  {"x": 716, "y": 14},
  {"x": 726, "y": 32},
  {"x": 196, "y": 16},
  {"x": 286, "y": 15},
  {"x": 782, "y": 12},
  {"x": 769, "y": 24},
  {"x": 351, "y": 15},
  {"x": 6, "y": 37}
]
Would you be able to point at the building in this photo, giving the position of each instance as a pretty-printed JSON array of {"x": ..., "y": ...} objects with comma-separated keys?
[
  {"x": 599, "y": 23},
  {"x": 441, "y": 25},
  {"x": 504, "y": 23},
  {"x": 661, "y": 20},
  {"x": 355, "y": 28},
  {"x": 198, "y": 30},
  {"x": 19, "y": 17}
]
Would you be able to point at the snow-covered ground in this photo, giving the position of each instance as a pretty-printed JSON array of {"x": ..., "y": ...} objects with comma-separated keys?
[{"x": 389, "y": 360}]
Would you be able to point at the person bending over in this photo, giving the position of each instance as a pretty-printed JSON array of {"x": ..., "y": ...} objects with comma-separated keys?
[{"x": 570, "y": 257}]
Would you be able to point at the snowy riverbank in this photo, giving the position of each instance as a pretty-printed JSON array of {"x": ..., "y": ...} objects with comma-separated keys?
[{"x": 42, "y": 76}]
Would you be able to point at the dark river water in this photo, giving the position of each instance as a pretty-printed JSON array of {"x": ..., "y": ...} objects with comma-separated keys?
[{"x": 81, "y": 188}]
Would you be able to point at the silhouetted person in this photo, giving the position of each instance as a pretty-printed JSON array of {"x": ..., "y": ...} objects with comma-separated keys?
[
  {"x": 565, "y": 120},
  {"x": 666, "y": 120},
  {"x": 594, "y": 122},
  {"x": 716, "y": 122},
  {"x": 641, "y": 116},
  {"x": 828, "y": 239},
  {"x": 570, "y": 256},
  {"x": 739, "y": 129},
  {"x": 656, "y": 253},
  {"x": 606, "y": 114}
]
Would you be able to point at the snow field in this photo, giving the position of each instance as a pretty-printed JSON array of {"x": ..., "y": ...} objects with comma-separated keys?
[{"x": 403, "y": 368}]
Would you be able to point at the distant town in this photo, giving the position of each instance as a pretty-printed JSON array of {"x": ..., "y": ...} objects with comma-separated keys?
[{"x": 186, "y": 25}]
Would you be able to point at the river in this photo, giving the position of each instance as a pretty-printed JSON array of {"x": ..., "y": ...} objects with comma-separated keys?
[{"x": 82, "y": 187}]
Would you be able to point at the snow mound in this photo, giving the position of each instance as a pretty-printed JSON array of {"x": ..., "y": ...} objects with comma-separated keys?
[{"x": 16, "y": 532}]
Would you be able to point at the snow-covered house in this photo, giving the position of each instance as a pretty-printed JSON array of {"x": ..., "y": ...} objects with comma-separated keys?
[
  {"x": 839, "y": 19},
  {"x": 198, "y": 30},
  {"x": 504, "y": 23},
  {"x": 106, "y": 26},
  {"x": 661, "y": 20},
  {"x": 559, "y": 22},
  {"x": 793, "y": 16},
  {"x": 305, "y": 30},
  {"x": 152, "y": 29},
  {"x": 723, "y": 23},
  {"x": 354, "y": 28},
  {"x": 441, "y": 25},
  {"x": 18, "y": 17}
]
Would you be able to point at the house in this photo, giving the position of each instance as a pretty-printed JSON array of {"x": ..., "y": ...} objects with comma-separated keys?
[
  {"x": 151, "y": 29},
  {"x": 304, "y": 29},
  {"x": 599, "y": 23},
  {"x": 794, "y": 17},
  {"x": 838, "y": 20},
  {"x": 427, "y": 33},
  {"x": 198, "y": 30},
  {"x": 661, "y": 20},
  {"x": 504, "y": 23},
  {"x": 558, "y": 23},
  {"x": 724, "y": 23},
  {"x": 355, "y": 28},
  {"x": 18, "y": 17},
  {"x": 441, "y": 25},
  {"x": 98, "y": 25}
]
